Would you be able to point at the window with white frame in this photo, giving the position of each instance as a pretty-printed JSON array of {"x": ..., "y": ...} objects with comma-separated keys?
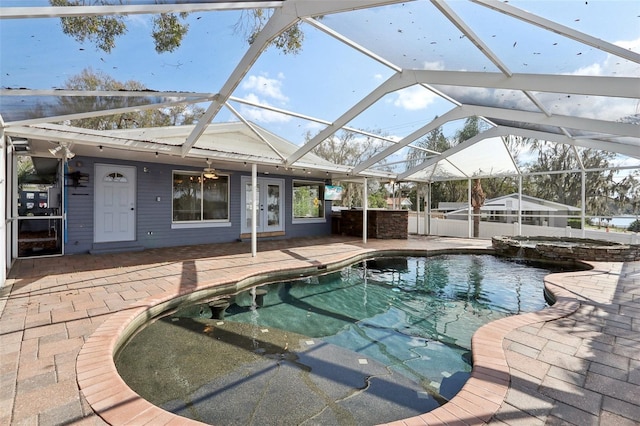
[
  {"x": 198, "y": 199},
  {"x": 308, "y": 200}
]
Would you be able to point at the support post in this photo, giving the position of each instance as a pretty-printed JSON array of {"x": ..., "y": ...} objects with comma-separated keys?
[
  {"x": 5, "y": 260},
  {"x": 417, "y": 211},
  {"x": 469, "y": 211},
  {"x": 519, "y": 205},
  {"x": 365, "y": 206},
  {"x": 583, "y": 208},
  {"x": 427, "y": 211},
  {"x": 254, "y": 210}
]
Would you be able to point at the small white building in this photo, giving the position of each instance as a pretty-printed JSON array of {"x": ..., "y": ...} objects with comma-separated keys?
[{"x": 534, "y": 211}]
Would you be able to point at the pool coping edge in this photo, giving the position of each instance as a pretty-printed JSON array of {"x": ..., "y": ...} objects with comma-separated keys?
[{"x": 116, "y": 403}]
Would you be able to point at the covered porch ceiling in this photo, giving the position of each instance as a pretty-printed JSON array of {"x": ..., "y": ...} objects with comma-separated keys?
[{"x": 383, "y": 70}]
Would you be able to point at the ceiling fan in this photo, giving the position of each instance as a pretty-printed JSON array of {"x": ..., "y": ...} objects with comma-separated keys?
[{"x": 209, "y": 172}]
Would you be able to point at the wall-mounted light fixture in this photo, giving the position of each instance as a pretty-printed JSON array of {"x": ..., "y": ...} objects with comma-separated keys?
[
  {"x": 68, "y": 153},
  {"x": 62, "y": 147},
  {"x": 55, "y": 150}
]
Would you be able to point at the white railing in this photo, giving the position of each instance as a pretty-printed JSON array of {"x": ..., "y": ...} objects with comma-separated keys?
[{"x": 460, "y": 228}]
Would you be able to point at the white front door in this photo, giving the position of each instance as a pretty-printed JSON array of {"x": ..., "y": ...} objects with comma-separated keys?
[
  {"x": 270, "y": 205},
  {"x": 115, "y": 203}
]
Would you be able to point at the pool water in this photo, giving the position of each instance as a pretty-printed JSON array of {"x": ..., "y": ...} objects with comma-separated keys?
[{"x": 380, "y": 340}]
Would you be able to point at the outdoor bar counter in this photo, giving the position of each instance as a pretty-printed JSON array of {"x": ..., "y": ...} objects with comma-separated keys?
[{"x": 381, "y": 223}]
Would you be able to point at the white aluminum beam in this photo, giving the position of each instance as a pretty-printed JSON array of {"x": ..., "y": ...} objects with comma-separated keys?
[
  {"x": 468, "y": 32},
  {"x": 631, "y": 150},
  {"x": 586, "y": 124},
  {"x": 105, "y": 93},
  {"x": 451, "y": 115},
  {"x": 563, "y": 30},
  {"x": 283, "y": 18},
  {"x": 70, "y": 135},
  {"x": 370, "y": 54},
  {"x": 278, "y": 23},
  {"x": 81, "y": 115},
  {"x": 320, "y": 121},
  {"x": 352, "y": 44},
  {"x": 255, "y": 131},
  {"x": 129, "y": 9},
  {"x": 506, "y": 147},
  {"x": 493, "y": 132},
  {"x": 621, "y": 87},
  {"x": 395, "y": 82},
  {"x": 311, "y": 8}
]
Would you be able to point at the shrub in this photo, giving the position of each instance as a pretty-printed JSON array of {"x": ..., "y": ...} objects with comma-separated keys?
[{"x": 575, "y": 223}]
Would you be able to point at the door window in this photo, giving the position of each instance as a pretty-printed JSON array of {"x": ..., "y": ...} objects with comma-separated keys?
[{"x": 269, "y": 208}]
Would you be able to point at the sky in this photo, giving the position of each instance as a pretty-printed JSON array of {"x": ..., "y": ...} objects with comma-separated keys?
[{"x": 327, "y": 77}]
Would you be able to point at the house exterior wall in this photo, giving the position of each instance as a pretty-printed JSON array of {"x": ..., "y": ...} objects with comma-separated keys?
[{"x": 153, "y": 218}]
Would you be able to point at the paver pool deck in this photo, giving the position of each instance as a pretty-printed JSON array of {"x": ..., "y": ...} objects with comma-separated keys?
[{"x": 577, "y": 362}]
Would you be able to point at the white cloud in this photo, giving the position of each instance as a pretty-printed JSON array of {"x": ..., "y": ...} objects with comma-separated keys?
[
  {"x": 142, "y": 21},
  {"x": 598, "y": 106},
  {"x": 266, "y": 87},
  {"x": 593, "y": 69},
  {"x": 614, "y": 65},
  {"x": 262, "y": 89},
  {"x": 414, "y": 98},
  {"x": 260, "y": 115},
  {"x": 434, "y": 66},
  {"x": 264, "y": 116},
  {"x": 314, "y": 127}
]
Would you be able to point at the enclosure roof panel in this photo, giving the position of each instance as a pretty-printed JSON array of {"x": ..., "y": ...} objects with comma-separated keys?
[{"x": 565, "y": 71}]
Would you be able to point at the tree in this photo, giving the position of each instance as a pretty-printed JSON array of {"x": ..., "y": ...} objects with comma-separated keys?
[
  {"x": 605, "y": 195},
  {"x": 101, "y": 30},
  {"x": 473, "y": 126},
  {"x": 627, "y": 194},
  {"x": 168, "y": 29},
  {"x": 349, "y": 149},
  {"x": 96, "y": 80},
  {"x": 252, "y": 21},
  {"x": 434, "y": 141},
  {"x": 566, "y": 188},
  {"x": 477, "y": 201},
  {"x": 494, "y": 187},
  {"x": 25, "y": 168}
]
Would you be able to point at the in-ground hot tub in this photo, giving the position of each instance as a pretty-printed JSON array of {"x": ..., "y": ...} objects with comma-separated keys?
[{"x": 560, "y": 249}]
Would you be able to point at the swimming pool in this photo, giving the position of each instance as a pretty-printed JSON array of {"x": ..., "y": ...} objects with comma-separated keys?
[{"x": 380, "y": 340}]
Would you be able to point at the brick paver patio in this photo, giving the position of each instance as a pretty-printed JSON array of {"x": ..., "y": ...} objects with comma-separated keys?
[{"x": 577, "y": 362}]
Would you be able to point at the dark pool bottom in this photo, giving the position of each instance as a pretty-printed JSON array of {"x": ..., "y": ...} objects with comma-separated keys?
[{"x": 248, "y": 374}]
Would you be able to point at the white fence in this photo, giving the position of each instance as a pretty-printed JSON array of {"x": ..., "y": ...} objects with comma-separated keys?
[{"x": 461, "y": 228}]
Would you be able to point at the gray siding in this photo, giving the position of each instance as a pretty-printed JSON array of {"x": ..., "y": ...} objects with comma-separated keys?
[{"x": 153, "y": 218}]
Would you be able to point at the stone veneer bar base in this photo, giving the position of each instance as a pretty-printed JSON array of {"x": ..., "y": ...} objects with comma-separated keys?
[{"x": 565, "y": 249}]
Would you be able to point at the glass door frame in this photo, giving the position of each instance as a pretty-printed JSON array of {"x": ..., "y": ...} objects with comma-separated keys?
[
  {"x": 54, "y": 219},
  {"x": 263, "y": 205}
]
